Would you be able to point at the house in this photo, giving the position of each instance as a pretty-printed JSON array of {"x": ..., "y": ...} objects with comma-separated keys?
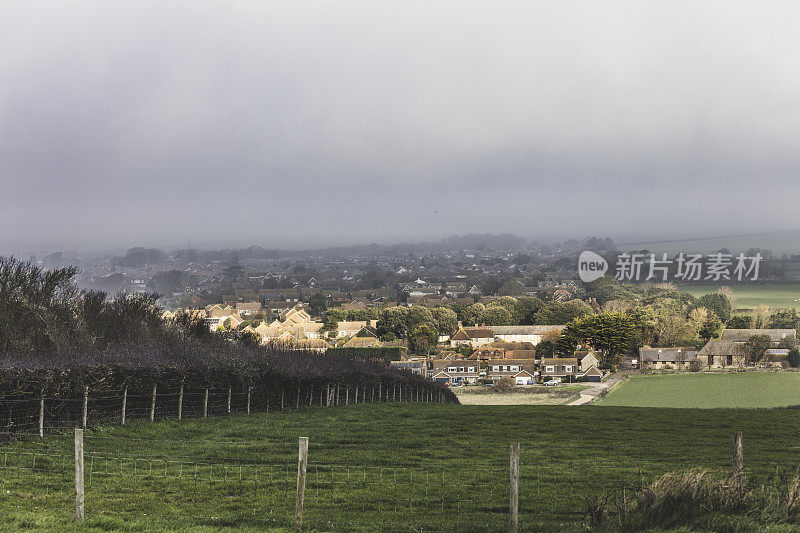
[
  {"x": 363, "y": 342},
  {"x": 484, "y": 353},
  {"x": 350, "y": 328},
  {"x": 455, "y": 372},
  {"x": 531, "y": 334},
  {"x": 475, "y": 337},
  {"x": 587, "y": 360},
  {"x": 742, "y": 335},
  {"x": 249, "y": 308},
  {"x": 721, "y": 354},
  {"x": 565, "y": 368},
  {"x": 677, "y": 357},
  {"x": 296, "y": 314},
  {"x": 415, "y": 367},
  {"x": 522, "y": 371}
]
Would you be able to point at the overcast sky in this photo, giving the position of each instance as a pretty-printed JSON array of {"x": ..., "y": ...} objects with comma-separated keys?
[{"x": 304, "y": 123}]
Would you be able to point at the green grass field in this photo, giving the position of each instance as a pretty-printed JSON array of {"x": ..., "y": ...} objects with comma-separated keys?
[
  {"x": 750, "y": 296},
  {"x": 398, "y": 467},
  {"x": 707, "y": 390}
]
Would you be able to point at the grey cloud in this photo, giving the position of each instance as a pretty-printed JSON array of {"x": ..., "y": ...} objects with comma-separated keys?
[{"x": 287, "y": 123}]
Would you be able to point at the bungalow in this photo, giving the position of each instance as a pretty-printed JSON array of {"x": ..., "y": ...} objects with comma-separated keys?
[
  {"x": 565, "y": 368},
  {"x": 522, "y": 371},
  {"x": 248, "y": 308},
  {"x": 721, "y": 354},
  {"x": 531, "y": 334},
  {"x": 455, "y": 372},
  {"x": 475, "y": 337},
  {"x": 415, "y": 367},
  {"x": 678, "y": 357}
]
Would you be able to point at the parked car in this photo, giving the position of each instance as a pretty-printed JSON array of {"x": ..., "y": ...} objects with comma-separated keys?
[{"x": 552, "y": 382}]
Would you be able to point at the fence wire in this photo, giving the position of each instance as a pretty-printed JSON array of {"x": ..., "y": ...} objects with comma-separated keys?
[{"x": 227, "y": 487}]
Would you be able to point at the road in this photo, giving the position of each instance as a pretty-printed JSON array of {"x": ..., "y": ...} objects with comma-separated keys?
[{"x": 590, "y": 395}]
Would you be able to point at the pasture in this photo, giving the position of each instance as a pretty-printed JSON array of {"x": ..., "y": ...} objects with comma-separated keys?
[
  {"x": 707, "y": 390},
  {"x": 375, "y": 467},
  {"x": 750, "y": 296}
]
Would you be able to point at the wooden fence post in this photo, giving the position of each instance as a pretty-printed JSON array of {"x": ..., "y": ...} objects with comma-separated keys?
[
  {"x": 514, "y": 489},
  {"x": 79, "y": 498},
  {"x": 229, "y": 399},
  {"x": 347, "y": 396},
  {"x": 328, "y": 395},
  {"x": 85, "y": 406},
  {"x": 124, "y": 404},
  {"x": 282, "y": 397},
  {"x": 180, "y": 402},
  {"x": 380, "y": 391},
  {"x": 249, "y": 390},
  {"x": 337, "y": 394},
  {"x": 297, "y": 399},
  {"x": 41, "y": 416},
  {"x": 738, "y": 457},
  {"x": 311, "y": 396},
  {"x": 205, "y": 404},
  {"x": 153, "y": 405},
  {"x": 302, "y": 463}
]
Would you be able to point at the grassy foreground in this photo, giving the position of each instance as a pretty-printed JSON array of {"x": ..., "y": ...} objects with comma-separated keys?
[
  {"x": 375, "y": 467},
  {"x": 707, "y": 390}
]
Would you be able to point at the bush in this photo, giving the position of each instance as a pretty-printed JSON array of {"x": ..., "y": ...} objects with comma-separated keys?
[
  {"x": 794, "y": 358},
  {"x": 505, "y": 384},
  {"x": 698, "y": 500},
  {"x": 386, "y": 353}
]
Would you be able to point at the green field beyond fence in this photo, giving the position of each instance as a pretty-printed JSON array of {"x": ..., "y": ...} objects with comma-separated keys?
[
  {"x": 392, "y": 467},
  {"x": 751, "y": 296},
  {"x": 707, "y": 390}
]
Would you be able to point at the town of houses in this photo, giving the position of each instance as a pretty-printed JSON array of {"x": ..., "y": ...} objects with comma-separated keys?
[{"x": 282, "y": 298}]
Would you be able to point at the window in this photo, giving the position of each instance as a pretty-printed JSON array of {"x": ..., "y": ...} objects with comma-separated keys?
[
  {"x": 471, "y": 369},
  {"x": 549, "y": 369},
  {"x": 451, "y": 369},
  {"x": 568, "y": 368},
  {"x": 515, "y": 368}
]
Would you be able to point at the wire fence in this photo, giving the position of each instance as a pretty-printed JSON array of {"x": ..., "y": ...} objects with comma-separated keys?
[
  {"x": 41, "y": 415},
  {"x": 234, "y": 487}
]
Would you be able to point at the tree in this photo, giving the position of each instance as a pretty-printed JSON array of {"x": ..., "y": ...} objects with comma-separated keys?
[
  {"x": 562, "y": 312},
  {"x": 392, "y": 319},
  {"x": 784, "y": 319},
  {"x": 611, "y": 334},
  {"x": 760, "y": 316},
  {"x": 422, "y": 337},
  {"x": 794, "y": 358},
  {"x": 739, "y": 322},
  {"x": 718, "y": 303},
  {"x": 472, "y": 314},
  {"x": 525, "y": 308},
  {"x": 446, "y": 320},
  {"x": 755, "y": 347},
  {"x": 545, "y": 348},
  {"x": 418, "y": 315},
  {"x": 496, "y": 316},
  {"x": 710, "y": 327}
]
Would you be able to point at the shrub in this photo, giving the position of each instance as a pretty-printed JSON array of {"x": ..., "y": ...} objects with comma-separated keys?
[
  {"x": 504, "y": 384},
  {"x": 794, "y": 358}
]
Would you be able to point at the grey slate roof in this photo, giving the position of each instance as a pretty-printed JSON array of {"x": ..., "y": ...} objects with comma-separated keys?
[
  {"x": 667, "y": 355},
  {"x": 741, "y": 335}
]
